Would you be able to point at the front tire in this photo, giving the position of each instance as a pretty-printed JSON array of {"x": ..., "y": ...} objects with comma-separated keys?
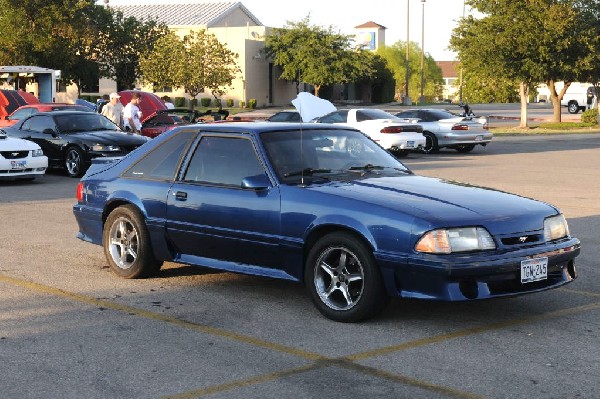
[
  {"x": 343, "y": 280},
  {"x": 75, "y": 161},
  {"x": 464, "y": 148},
  {"x": 127, "y": 245}
]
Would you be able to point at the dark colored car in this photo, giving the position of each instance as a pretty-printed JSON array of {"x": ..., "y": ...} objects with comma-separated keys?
[
  {"x": 31, "y": 109},
  {"x": 285, "y": 116},
  {"x": 156, "y": 118},
  {"x": 319, "y": 204},
  {"x": 71, "y": 139}
]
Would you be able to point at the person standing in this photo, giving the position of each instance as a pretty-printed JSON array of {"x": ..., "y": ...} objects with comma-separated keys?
[
  {"x": 132, "y": 114},
  {"x": 167, "y": 102},
  {"x": 113, "y": 110}
]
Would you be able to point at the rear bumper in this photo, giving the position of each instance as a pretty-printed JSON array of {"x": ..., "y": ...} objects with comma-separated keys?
[
  {"x": 449, "y": 139},
  {"x": 402, "y": 141}
]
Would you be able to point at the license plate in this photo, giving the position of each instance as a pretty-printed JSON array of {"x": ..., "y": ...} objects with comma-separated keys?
[
  {"x": 534, "y": 270},
  {"x": 410, "y": 144},
  {"x": 478, "y": 138},
  {"x": 18, "y": 165}
]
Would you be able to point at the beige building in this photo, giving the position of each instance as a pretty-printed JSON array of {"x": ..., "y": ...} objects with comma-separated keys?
[{"x": 234, "y": 26}]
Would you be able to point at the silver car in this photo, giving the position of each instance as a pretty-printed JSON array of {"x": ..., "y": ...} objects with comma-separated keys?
[{"x": 443, "y": 128}]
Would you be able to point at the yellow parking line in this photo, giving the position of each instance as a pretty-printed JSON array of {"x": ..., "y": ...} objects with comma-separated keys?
[
  {"x": 318, "y": 361},
  {"x": 160, "y": 317},
  {"x": 470, "y": 331}
]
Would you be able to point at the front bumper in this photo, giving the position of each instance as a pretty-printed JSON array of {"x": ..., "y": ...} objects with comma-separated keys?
[
  {"x": 30, "y": 166},
  {"x": 476, "y": 276}
]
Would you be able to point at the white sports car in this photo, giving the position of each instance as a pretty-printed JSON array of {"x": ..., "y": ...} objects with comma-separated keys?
[
  {"x": 21, "y": 159},
  {"x": 392, "y": 133}
]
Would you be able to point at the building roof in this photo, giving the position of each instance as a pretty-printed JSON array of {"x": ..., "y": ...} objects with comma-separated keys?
[
  {"x": 449, "y": 68},
  {"x": 370, "y": 24},
  {"x": 193, "y": 14}
]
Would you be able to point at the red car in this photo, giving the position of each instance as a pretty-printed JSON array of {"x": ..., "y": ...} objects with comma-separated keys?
[
  {"x": 26, "y": 110},
  {"x": 156, "y": 118},
  {"x": 10, "y": 100}
]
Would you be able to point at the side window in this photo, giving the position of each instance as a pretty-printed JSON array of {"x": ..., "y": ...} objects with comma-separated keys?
[
  {"x": 22, "y": 113},
  {"x": 223, "y": 161},
  {"x": 163, "y": 162},
  {"x": 335, "y": 117},
  {"x": 39, "y": 123}
]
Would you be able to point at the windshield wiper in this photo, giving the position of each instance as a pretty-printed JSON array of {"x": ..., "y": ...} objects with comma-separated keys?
[
  {"x": 370, "y": 168},
  {"x": 306, "y": 172}
]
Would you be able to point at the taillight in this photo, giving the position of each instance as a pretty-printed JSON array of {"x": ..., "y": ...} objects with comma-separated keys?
[
  {"x": 460, "y": 126},
  {"x": 391, "y": 129},
  {"x": 80, "y": 191}
]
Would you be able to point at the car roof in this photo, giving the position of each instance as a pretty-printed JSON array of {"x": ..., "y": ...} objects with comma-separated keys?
[{"x": 260, "y": 127}]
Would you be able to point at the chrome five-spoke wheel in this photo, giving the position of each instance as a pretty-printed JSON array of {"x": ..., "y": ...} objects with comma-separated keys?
[{"x": 339, "y": 278}]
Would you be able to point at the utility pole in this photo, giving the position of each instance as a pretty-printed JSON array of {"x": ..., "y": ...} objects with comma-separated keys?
[{"x": 407, "y": 100}]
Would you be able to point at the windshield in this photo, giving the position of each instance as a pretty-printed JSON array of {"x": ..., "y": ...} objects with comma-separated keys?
[
  {"x": 83, "y": 122},
  {"x": 327, "y": 155}
]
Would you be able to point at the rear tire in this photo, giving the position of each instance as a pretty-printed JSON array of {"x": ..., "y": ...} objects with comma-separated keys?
[
  {"x": 343, "y": 279},
  {"x": 573, "y": 107},
  {"x": 127, "y": 244},
  {"x": 431, "y": 143}
]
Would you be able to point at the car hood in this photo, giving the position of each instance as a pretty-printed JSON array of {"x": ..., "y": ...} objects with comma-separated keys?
[
  {"x": 14, "y": 144},
  {"x": 441, "y": 203},
  {"x": 110, "y": 137}
]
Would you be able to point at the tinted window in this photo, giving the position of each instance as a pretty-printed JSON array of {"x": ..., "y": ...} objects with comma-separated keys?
[
  {"x": 408, "y": 114},
  {"x": 285, "y": 117},
  {"x": 22, "y": 113},
  {"x": 223, "y": 161},
  {"x": 335, "y": 117},
  {"x": 39, "y": 123},
  {"x": 370, "y": 114},
  {"x": 163, "y": 162}
]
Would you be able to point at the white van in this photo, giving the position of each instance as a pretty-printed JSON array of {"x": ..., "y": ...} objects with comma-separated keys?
[{"x": 576, "y": 97}]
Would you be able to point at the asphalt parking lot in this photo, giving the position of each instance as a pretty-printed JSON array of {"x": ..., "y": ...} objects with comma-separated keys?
[{"x": 69, "y": 328}]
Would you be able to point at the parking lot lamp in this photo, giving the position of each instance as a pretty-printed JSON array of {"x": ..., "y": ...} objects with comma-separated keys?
[
  {"x": 422, "y": 98},
  {"x": 407, "y": 100}
]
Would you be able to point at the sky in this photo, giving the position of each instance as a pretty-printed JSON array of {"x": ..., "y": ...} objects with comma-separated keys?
[{"x": 440, "y": 16}]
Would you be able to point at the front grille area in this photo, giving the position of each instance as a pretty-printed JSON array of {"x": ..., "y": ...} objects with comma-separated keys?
[
  {"x": 14, "y": 154},
  {"x": 11, "y": 171},
  {"x": 524, "y": 239}
]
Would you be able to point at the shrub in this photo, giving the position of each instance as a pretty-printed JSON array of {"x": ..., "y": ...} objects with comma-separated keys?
[
  {"x": 217, "y": 102},
  {"x": 230, "y": 102},
  {"x": 590, "y": 116},
  {"x": 194, "y": 102},
  {"x": 252, "y": 103},
  {"x": 180, "y": 102},
  {"x": 242, "y": 104},
  {"x": 205, "y": 102}
]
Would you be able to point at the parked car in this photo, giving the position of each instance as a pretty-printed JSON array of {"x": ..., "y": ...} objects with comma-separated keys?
[
  {"x": 443, "y": 128},
  {"x": 20, "y": 159},
  {"x": 30, "y": 109},
  {"x": 71, "y": 139},
  {"x": 323, "y": 205},
  {"x": 285, "y": 116},
  {"x": 156, "y": 117},
  {"x": 393, "y": 134},
  {"x": 10, "y": 100}
]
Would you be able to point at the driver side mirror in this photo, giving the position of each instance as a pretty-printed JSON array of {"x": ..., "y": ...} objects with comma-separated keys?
[
  {"x": 256, "y": 183},
  {"x": 50, "y": 131}
]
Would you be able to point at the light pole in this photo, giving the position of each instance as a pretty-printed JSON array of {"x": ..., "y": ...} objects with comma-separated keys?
[
  {"x": 407, "y": 100},
  {"x": 460, "y": 83},
  {"x": 422, "y": 98}
]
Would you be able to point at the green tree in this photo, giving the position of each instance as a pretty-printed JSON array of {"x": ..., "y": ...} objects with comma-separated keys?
[
  {"x": 316, "y": 55},
  {"x": 395, "y": 58},
  {"x": 52, "y": 34},
  {"x": 483, "y": 89},
  {"x": 196, "y": 62},
  {"x": 524, "y": 41},
  {"x": 122, "y": 43}
]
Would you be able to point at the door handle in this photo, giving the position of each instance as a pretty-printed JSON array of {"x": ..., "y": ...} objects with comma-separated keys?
[{"x": 180, "y": 195}]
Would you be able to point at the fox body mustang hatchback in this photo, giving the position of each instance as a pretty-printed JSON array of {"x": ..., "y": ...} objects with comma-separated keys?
[{"x": 322, "y": 205}]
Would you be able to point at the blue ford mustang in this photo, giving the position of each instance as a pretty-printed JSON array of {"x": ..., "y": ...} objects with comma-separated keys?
[{"x": 322, "y": 205}]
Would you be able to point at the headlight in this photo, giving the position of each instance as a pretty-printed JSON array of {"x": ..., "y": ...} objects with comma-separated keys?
[
  {"x": 463, "y": 239},
  {"x": 555, "y": 227},
  {"x": 102, "y": 147},
  {"x": 37, "y": 153}
]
